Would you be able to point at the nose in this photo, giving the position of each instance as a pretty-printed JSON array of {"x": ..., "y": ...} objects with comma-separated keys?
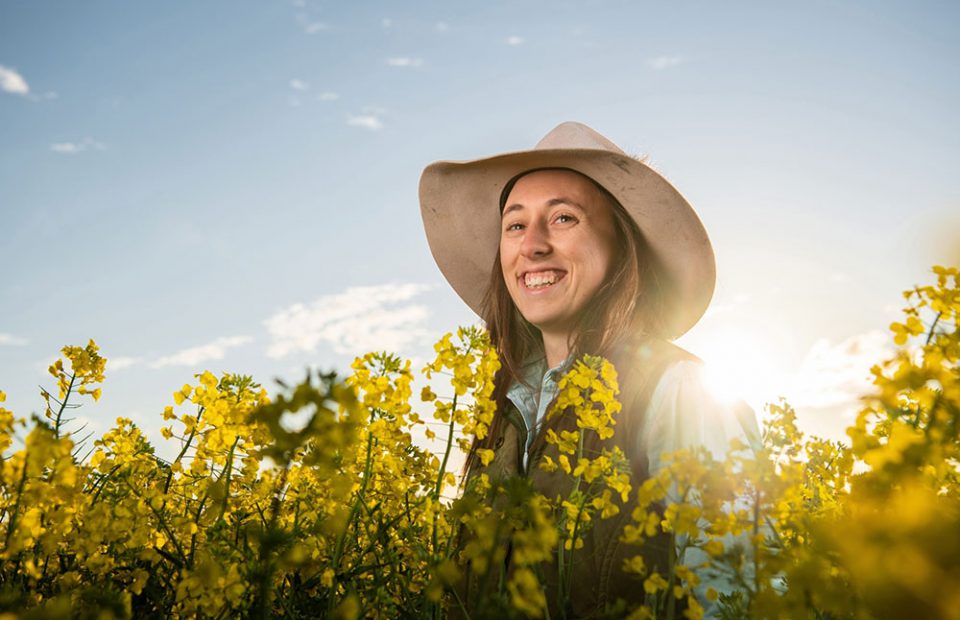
[{"x": 536, "y": 240}]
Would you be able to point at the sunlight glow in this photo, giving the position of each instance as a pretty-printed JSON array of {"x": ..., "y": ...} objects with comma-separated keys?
[{"x": 738, "y": 365}]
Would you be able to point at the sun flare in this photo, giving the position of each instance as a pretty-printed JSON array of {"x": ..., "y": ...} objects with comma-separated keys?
[{"x": 739, "y": 365}]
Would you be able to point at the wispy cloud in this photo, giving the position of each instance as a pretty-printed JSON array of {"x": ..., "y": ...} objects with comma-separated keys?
[
  {"x": 659, "y": 63},
  {"x": 70, "y": 148},
  {"x": 193, "y": 356},
  {"x": 727, "y": 306},
  {"x": 300, "y": 85},
  {"x": 834, "y": 375},
  {"x": 368, "y": 318},
  {"x": 328, "y": 96},
  {"x": 404, "y": 61},
  {"x": 12, "y": 82},
  {"x": 311, "y": 26},
  {"x": 515, "y": 40},
  {"x": 367, "y": 121},
  {"x": 9, "y": 340},
  {"x": 119, "y": 363}
]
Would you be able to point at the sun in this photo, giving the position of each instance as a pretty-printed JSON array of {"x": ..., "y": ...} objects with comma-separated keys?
[{"x": 739, "y": 365}]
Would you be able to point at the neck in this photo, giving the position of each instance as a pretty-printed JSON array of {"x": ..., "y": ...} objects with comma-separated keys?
[{"x": 556, "y": 347}]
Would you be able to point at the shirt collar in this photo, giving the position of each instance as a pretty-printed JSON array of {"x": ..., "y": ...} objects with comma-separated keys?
[{"x": 535, "y": 372}]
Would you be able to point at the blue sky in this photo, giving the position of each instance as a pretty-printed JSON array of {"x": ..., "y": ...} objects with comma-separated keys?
[{"x": 205, "y": 185}]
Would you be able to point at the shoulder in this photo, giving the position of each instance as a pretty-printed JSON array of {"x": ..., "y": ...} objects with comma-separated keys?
[
  {"x": 642, "y": 363},
  {"x": 650, "y": 351},
  {"x": 684, "y": 411}
]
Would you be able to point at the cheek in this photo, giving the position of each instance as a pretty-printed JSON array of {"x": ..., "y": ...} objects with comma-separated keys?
[{"x": 600, "y": 261}]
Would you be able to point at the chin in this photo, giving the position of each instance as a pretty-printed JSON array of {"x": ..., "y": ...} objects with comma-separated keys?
[{"x": 547, "y": 322}]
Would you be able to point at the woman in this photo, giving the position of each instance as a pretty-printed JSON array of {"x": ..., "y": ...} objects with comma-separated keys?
[{"x": 575, "y": 248}]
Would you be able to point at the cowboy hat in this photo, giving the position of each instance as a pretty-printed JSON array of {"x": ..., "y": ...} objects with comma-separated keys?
[{"x": 460, "y": 206}]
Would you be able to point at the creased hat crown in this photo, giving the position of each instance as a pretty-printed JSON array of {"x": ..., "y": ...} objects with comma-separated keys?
[{"x": 571, "y": 135}]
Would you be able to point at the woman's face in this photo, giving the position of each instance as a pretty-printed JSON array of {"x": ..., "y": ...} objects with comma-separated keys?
[{"x": 557, "y": 241}]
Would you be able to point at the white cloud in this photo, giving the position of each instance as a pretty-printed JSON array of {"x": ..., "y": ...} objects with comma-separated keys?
[
  {"x": 77, "y": 147},
  {"x": 328, "y": 96},
  {"x": 65, "y": 147},
  {"x": 315, "y": 27},
  {"x": 442, "y": 26},
  {"x": 835, "y": 376},
  {"x": 13, "y": 82},
  {"x": 515, "y": 40},
  {"x": 360, "y": 319},
  {"x": 196, "y": 355},
  {"x": 727, "y": 306},
  {"x": 404, "y": 61},
  {"x": 367, "y": 121},
  {"x": 9, "y": 340},
  {"x": 296, "y": 84},
  {"x": 386, "y": 22},
  {"x": 660, "y": 63},
  {"x": 119, "y": 363}
]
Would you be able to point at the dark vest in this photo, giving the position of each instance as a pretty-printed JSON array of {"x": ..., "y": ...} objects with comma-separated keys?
[{"x": 598, "y": 578}]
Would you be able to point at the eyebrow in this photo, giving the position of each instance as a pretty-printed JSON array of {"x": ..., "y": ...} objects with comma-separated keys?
[{"x": 550, "y": 203}]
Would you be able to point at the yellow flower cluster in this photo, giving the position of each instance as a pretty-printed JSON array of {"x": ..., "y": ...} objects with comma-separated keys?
[
  {"x": 86, "y": 370},
  {"x": 322, "y": 500},
  {"x": 814, "y": 528},
  {"x": 588, "y": 390}
]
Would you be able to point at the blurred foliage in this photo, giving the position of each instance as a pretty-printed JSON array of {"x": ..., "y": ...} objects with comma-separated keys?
[{"x": 321, "y": 503}]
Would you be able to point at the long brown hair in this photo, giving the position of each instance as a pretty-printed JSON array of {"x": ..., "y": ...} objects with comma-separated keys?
[{"x": 628, "y": 303}]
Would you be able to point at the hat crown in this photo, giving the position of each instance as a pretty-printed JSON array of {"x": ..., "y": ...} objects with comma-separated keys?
[{"x": 572, "y": 135}]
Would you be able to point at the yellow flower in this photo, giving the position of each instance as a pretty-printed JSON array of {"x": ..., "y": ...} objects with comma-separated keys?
[
  {"x": 485, "y": 456},
  {"x": 654, "y": 583}
]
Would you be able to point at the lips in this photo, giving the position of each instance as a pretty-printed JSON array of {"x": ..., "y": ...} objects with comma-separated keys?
[{"x": 542, "y": 279}]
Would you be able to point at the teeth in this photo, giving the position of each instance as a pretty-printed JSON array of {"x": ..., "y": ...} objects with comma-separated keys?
[{"x": 541, "y": 279}]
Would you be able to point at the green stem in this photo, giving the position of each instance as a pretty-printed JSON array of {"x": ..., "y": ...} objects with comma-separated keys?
[
  {"x": 63, "y": 405},
  {"x": 161, "y": 522},
  {"x": 565, "y": 565},
  {"x": 16, "y": 506},
  {"x": 756, "y": 532},
  {"x": 933, "y": 328},
  {"x": 446, "y": 454},
  {"x": 225, "y": 476},
  {"x": 261, "y": 602},
  {"x": 183, "y": 451},
  {"x": 354, "y": 510}
]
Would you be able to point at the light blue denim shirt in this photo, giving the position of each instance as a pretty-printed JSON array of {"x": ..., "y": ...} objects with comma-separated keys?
[{"x": 534, "y": 396}]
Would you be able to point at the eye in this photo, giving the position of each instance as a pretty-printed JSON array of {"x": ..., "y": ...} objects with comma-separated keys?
[
  {"x": 512, "y": 227},
  {"x": 564, "y": 218}
]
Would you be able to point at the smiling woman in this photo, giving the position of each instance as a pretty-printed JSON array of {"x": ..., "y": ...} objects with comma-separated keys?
[
  {"x": 556, "y": 251},
  {"x": 585, "y": 251}
]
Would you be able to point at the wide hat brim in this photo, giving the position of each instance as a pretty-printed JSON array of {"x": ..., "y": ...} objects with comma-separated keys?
[{"x": 460, "y": 206}]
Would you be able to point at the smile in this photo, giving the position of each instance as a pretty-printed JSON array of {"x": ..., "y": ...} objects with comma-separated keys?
[{"x": 542, "y": 279}]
